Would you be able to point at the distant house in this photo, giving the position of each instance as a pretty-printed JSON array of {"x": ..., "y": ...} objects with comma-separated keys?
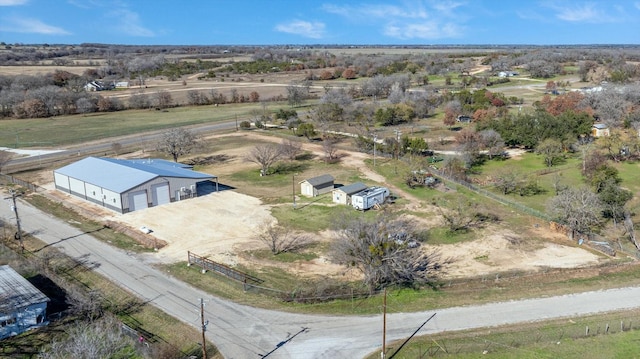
[
  {"x": 464, "y": 119},
  {"x": 507, "y": 74},
  {"x": 98, "y": 86},
  {"x": 599, "y": 130},
  {"x": 22, "y": 306},
  {"x": 316, "y": 186},
  {"x": 122, "y": 84},
  {"x": 342, "y": 195}
]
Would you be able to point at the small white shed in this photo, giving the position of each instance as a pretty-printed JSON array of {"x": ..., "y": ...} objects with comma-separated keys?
[{"x": 316, "y": 186}]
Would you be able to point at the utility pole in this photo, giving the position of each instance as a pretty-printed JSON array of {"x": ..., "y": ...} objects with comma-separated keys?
[
  {"x": 14, "y": 207},
  {"x": 293, "y": 189},
  {"x": 204, "y": 328},
  {"x": 384, "y": 325},
  {"x": 398, "y": 133},
  {"x": 375, "y": 139}
]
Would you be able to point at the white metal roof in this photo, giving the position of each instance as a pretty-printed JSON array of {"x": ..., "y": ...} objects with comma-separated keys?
[
  {"x": 16, "y": 292},
  {"x": 121, "y": 175}
]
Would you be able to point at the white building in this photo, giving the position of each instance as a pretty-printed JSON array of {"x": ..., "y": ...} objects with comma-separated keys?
[{"x": 130, "y": 185}]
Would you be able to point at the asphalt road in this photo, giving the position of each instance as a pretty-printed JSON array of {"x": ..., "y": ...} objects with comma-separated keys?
[{"x": 244, "y": 332}]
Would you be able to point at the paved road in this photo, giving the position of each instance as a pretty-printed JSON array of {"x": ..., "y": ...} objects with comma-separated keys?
[{"x": 245, "y": 332}]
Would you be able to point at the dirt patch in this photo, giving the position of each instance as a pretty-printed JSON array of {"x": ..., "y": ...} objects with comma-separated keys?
[
  {"x": 506, "y": 251},
  {"x": 213, "y": 226}
]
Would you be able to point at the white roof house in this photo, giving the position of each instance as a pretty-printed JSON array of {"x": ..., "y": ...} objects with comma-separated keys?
[
  {"x": 129, "y": 185},
  {"x": 22, "y": 305}
]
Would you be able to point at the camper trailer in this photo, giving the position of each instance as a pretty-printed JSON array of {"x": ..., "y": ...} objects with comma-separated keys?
[{"x": 369, "y": 197}]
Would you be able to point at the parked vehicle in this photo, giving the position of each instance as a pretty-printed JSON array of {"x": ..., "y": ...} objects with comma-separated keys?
[{"x": 369, "y": 197}]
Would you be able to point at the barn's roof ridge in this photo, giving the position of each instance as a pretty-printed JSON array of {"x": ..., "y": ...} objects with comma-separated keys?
[
  {"x": 120, "y": 175},
  {"x": 352, "y": 188},
  {"x": 322, "y": 179},
  {"x": 16, "y": 292}
]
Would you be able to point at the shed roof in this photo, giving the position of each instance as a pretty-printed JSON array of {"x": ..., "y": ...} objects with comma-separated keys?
[
  {"x": 16, "y": 292},
  {"x": 352, "y": 188},
  {"x": 319, "y": 180},
  {"x": 600, "y": 126},
  {"x": 120, "y": 175}
]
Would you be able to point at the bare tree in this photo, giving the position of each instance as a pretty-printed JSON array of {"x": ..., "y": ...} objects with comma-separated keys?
[
  {"x": 98, "y": 339},
  {"x": 290, "y": 149},
  {"x": 386, "y": 251},
  {"x": 177, "y": 142},
  {"x": 116, "y": 147},
  {"x": 265, "y": 156},
  {"x": 329, "y": 147},
  {"x": 578, "y": 208},
  {"x": 163, "y": 99},
  {"x": 492, "y": 142},
  {"x": 280, "y": 239},
  {"x": 297, "y": 92}
]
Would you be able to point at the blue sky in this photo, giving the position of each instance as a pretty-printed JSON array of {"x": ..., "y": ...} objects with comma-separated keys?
[{"x": 271, "y": 22}]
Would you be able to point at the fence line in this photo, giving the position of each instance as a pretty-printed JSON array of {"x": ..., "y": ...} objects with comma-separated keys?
[
  {"x": 10, "y": 179},
  {"x": 208, "y": 264}
]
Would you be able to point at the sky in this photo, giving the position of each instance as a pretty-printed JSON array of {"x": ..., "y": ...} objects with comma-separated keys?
[{"x": 320, "y": 22}]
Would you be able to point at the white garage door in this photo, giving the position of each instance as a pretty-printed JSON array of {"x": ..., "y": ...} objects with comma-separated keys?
[
  {"x": 161, "y": 194},
  {"x": 138, "y": 200}
]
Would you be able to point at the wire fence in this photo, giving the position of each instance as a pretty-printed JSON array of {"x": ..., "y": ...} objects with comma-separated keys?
[
  {"x": 556, "y": 340},
  {"x": 10, "y": 179}
]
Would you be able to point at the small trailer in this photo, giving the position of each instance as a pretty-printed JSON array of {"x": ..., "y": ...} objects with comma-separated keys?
[{"x": 369, "y": 197}]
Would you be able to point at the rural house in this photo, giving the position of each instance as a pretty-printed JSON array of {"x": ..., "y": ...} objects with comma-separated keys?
[
  {"x": 316, "y": 186},
  {"x": 22, "y": 306},
  {"x": 599, "y": 130},
  {"x": 98, "y": 86},
  {"x": 342, "y": 195},
  {"x": 130, "y": 185}
]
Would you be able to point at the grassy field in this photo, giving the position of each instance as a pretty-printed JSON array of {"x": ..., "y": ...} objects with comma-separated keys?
[
  {"x": 75, "y": 129},
  {"x": 610, "y": 335}
]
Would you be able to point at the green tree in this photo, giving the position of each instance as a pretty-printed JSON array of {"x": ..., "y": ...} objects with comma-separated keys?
[
  {"x": 551, "y": 151},
  {"x": 307, "y": 130},
  {"x": 614, "y": 198}
]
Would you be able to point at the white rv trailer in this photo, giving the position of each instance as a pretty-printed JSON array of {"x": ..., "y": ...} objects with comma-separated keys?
[{"x": 369, "y": 197}]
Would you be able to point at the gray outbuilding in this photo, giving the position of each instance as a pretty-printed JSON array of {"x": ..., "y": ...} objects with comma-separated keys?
[
  {"x": 22, "y": 305},
  {"x": 316, "y": 186},
  {"x": 130, "y": 185},
  {"x": 342, "y": 195}
]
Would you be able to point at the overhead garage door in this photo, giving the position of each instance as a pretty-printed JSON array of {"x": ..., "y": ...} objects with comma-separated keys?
[
  {"x": 161, "y": 194},
  {"x": 138, "y": 200}
]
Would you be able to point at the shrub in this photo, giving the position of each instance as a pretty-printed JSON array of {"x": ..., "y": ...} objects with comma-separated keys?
[{"x": 245, "y": 125}]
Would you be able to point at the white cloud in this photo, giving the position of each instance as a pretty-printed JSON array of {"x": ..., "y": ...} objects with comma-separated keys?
[
  {"x": 426, "y": 19},
  {"x": 637, "y": 5},
  {"x": 30, "y": 26},
  {"x": 586, "y": 12},
  {"x": 314, "y": 30},
  {"x": 428, "y": 30},
  {"x": 12, "y": 2},
  {"x": 128, "y": 22}
]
